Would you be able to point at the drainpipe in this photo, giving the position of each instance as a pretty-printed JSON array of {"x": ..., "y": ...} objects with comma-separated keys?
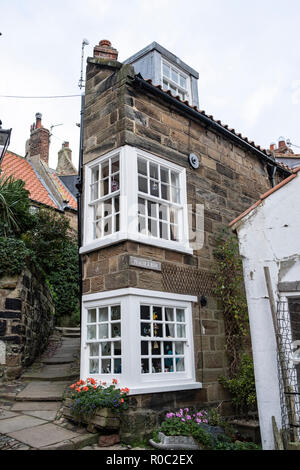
[
  {"x": 271, "y": 169},
  {"x": 79, "y": 202}
]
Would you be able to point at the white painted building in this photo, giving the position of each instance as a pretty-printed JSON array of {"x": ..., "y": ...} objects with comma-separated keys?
[{"x": 268, "y": 234}]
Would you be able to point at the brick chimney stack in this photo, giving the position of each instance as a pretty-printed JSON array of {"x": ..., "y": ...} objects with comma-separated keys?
[
  {"x": 39, "y": 141},
  {"x": 105, "y": 50}
]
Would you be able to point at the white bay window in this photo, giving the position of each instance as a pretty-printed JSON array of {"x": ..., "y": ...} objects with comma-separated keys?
[
  {"x": 142, "y": 338},
  {"x": 131, "y": 194}
]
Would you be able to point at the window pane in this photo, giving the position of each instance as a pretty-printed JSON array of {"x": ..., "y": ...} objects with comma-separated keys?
[
  {"x": 107, "y": 226},
  {"x": 157, "y": 313},
  {"x": 142, "y": 166},
  {"x": 106, "y": 366},
  {"x": 166, "y": 70},
  {"x": 174, "y": 232},
  {"x": 152, "y": 227},
  {"x": 155, "y": 348},
  {"x": 116, "y": 312},
  {"x": 173, "y": 216},
  {"x": 103, "y": 331},
  {"x": 173, "y": 89},
  {"x": 104, "y": 187},
  {"x": 117, "y": 223},
  {"x": 174, "y": 179},
  {"x": 144, "y": 348},
  {"x": 94, "y": 349},
  {"x": 92, "y": 316},
  {"x": 105, "y": 169},
  {"x": 143, "y": 184},
  {"x": 103, "y": 314},
  {"x": 117, "y": 203},
  {"x": 94, "y": 191},
  {"x": 117, "y": 348},
  {"x": 170, "y": 330},
  {"x": 154, "y": 171},
  {"x": 165, "y": 85},
  {"x": 145, "y": 366},
  {"x": 164, "y": 230},
  {"x": 98, "y": 210},
  {"x": 169, "y": 312},
  {"x": 180, "y": 315},
  {"x": 91, "y": 332},
  {"x": 179, "y": 349},
  {"x": 165, "y": 191},
  {"x": 163, "y": 212},
  {"x": 157, "y": 330},
  {"x": 98, "y": 229},
  {"x": 154, "y": 188},
  {"x": 115, "y": 166},
  {"x": 116, "y": 330},
  {"x": 94, "y": 366},
  {"x": 106, "y": 349},
  {"x": 117, "y": 366},
  {"x": 164, "y": 175},
  {"x": 141, "y": 206},
  {"x": 156, "y": 365},
  {"x": 168, "y": 363},
  {"x": 168, "y": 347},
  {"x": 145, "y": 312},
  {"x": 175, "y": 195},
  {"x": 182, "y": 81},
  {"x": 95, "y": 174},
  {"x": 180, "y": 365},
  {"x": 142, "y": 225},
  {"x": 174, "y": 76},
  {"x": 115, "y": 182},
  {"x": 145, "y": 329},
  {"x": 152, "y": 209},
  {"x": 107, "y": 206},
  {"x": 180, "y": 331}
]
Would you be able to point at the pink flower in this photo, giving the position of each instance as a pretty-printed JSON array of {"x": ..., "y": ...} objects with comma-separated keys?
[
  {"x": 198, "y": 420},
  {"x": 182, "y": 419},
  {"x": 205, "y": 421},
  {"x": 188, "y": 417}
]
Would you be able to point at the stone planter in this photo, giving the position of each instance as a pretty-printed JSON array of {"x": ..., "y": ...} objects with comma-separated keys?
[
  {"x": 175, "y": 442},
  {"x": 104, "y": 418}
]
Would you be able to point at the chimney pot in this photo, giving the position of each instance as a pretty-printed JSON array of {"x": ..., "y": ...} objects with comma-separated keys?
[
  {"x": 281, "y": 143},
  {"x": 38, "y": 120},
  {"x": 272, "y": 146},
  {"x": 65, "y": 144},
  {"x": 105, "y": 50}
]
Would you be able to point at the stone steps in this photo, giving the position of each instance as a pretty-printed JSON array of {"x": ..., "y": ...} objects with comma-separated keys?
[{"x": 68, "y": 332}]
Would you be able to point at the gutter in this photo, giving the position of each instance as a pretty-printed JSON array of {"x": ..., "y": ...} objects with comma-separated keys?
[{"x": 141, "y": 83}]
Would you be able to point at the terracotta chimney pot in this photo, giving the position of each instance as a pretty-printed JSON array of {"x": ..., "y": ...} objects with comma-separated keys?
[{"x": 105, "y": 50}]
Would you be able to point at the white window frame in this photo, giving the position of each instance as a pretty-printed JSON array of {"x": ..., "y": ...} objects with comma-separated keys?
[
  {"x": 186, "y": 91},
  {"x": 130, "y": 300},
  {"x": 129, "y": 204}
]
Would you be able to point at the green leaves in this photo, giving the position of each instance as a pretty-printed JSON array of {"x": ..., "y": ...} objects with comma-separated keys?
[{"x": 14, "y": 256}]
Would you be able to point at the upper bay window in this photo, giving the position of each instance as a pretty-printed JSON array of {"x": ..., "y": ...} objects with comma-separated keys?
[{"x": 131, "y": 194}]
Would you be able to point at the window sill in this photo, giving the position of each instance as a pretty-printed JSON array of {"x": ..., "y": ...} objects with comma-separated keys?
[
  {"x": 119, "y": 237},
  {"x": 157, "y": 388}
]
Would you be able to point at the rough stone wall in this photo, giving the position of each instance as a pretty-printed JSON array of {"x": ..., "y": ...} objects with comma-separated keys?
[
  {"x": 26, "y": 321},
  {"x": 227, "y": 182}
]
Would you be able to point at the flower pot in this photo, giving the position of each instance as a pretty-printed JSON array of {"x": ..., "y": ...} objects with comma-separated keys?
[{"x": 104, "y": 418}]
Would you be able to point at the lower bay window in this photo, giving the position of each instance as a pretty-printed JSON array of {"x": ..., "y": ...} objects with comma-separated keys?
[{"x": 142, "y": 338}]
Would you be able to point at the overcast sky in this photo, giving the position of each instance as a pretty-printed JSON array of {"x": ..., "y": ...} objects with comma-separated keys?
[{"x": 246, "y": 53}]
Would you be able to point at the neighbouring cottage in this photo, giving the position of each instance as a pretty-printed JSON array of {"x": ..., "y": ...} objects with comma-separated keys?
[
  {"x": 161, "y": 178},
  {"x": 268, "y": 234},
  {"x": 284, "y": 154},
  {"x": 54, "y": 189}
]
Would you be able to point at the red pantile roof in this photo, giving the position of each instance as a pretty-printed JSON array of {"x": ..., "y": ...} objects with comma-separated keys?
[
  {"x": 265, "y": 195},
  {"x": 20, "y": 168}
]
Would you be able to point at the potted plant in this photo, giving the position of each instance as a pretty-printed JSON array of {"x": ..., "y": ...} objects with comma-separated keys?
[{"x": 97, "y": 404}]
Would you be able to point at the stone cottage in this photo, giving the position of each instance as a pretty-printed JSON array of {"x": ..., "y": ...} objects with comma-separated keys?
[
  {"x": 268, "y": 234},
  {"x": 161, "y": 178}
]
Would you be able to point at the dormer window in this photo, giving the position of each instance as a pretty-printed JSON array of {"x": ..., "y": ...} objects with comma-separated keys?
[{"x": 175, "y": 80}]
